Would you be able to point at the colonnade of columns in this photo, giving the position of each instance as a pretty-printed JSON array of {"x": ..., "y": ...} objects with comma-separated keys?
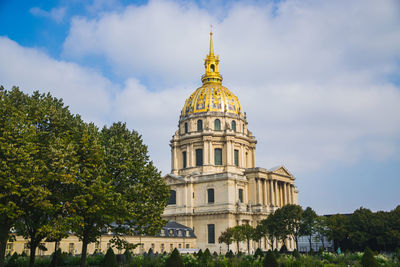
[{"x": 274, "y": 192}]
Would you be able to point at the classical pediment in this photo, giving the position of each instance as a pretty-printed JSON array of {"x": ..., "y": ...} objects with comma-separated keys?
[
  {"x": 173, "y": 179},
  {"x": 281, "y": 170}
]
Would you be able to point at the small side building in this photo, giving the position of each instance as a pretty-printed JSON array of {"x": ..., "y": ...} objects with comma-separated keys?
[{"x": 172, "y": 235}]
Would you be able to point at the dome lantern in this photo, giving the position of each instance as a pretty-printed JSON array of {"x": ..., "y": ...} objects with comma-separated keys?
[{"x": 211, "y": 65}]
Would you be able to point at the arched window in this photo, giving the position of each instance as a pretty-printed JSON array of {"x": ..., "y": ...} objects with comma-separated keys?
[
  {"x": 199, "y": 125},
  {"x": 217, "y": 125},
  {"x": 212, "y": 67},
  {"x": 172, "y": 197},
  {"x": 234, "y": 126},
  {"x": 186, "y": 127}
]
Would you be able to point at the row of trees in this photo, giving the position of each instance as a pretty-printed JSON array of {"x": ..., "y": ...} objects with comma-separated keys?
[
  {"x": 60, "y": 174},
  {"x": 355, "y": 232}
]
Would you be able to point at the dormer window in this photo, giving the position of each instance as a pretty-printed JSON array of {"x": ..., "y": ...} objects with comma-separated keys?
[{"x": 186, "y": 127}]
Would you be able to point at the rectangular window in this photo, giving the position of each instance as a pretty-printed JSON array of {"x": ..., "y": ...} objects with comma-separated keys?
[
  {"x": 236, "y": 157},
  {"x": 241, "y": 195},
  {"x": 171, "y": 247},
  {"x": 184, "y": 159},
  {"x": 187, "y": 245},
  {"x": 152, "y": 246},
  {"x": 210, "y": 195},
  {"x": 26, "y": 249},
  {"x": 172, "y": 197},
  {"x": 162, "y": 248},
  {"x": 211, "y": 233},
  {"x": 179, "y": 245},
  {"x": 199, "y": 157},
  {"x": 218, "y": 156}
]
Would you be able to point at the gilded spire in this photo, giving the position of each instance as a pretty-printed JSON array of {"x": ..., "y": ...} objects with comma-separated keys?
[
  {"x": 211, "y": 43},
  {"x": 211, "y": 65}
]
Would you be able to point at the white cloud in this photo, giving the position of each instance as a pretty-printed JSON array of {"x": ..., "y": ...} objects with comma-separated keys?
[
  {"x": 56, "y": 14},
  {"x": 85, "y": 91},
  {"x": 313, "y": 76}
]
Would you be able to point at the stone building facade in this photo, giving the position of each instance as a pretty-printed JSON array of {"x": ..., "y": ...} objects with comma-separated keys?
[{"x": 214, "y": 181}]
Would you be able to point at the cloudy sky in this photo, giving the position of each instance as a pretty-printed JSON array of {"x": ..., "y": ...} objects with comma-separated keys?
[{"x": 319, "y": 80}]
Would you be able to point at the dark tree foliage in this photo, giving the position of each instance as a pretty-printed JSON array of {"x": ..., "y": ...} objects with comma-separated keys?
[
  {"x": 270, "y": 260},
  {"x": 368, "y": 259},
  {"x": 109, "y": 259},
  {"x": 380, "y": 230},
  {"x": 174, "y": 260},
  {"x": 258, "y": 253}
]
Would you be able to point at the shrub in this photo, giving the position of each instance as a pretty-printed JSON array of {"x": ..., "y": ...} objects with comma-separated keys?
[
  {"x": 269, "y": 260},
  {"x": 258, "y": 253},
  {"x": 229, "y": 254},
  {"x": 295, "y": 254},
  {"x": 276, "y": 254},
  {"x": 283, "y": 249},
  {"x": 57, "y": 259},
  {"x": 13, "y": 260},
  {"x": 207, "y": 253},
  {"x": 109, "y": 259},
  {"x": 128, "y": 255},
  {"x": 368, "y": 259},
  {"x": 174, "y": 260}
]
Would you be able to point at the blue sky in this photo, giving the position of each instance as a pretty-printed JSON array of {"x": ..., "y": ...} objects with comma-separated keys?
[{"x": 319, "y": 80}]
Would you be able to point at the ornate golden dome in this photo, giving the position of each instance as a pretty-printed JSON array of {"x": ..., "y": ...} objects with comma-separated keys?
[{"x": 212, "y": 96}]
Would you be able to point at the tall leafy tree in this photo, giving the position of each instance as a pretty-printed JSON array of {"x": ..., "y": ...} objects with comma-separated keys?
[
  {"x": 271, "y": 227},
  {"x": 259, "y": 233},
  {"x": 238, "y": 236},
  {"x": 248, "y": 234},
  {"x": 144, "y": 194},
  {"x": 308, "y": 222},
  {"x": 93, "y": 200},
  {"x": 292, "y": 215},
  {"x": 16, "y": 161},
  {"x": 226, "y": 237},
  {"x": 54, "y": 166},
  {"x": 321, "y": 230}
]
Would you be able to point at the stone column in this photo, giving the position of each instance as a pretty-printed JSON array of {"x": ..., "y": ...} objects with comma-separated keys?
[
  {"x": 286, "y": 193},
  {"x": 276, "y": 193},
  {"x": 257, "y": 191},
  {"x": 190, "y": 154},
  {"x": 206, "y": 159},
  {"x": 228, "y": 152},
  {"x": 265, "y": 192},
  {"x": 210, "y": 153}
]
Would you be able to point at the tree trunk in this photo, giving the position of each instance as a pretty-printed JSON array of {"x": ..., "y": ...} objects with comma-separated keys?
[
  {"x": 297, "y": 243},
  {"x": 248, "y": 246},
  {"x": 84, "y": 252},
  {"x": 4, "y": 230},
  {"x": 309, "y": 240},
  {"x": 237, "y": 243},
  {"x": 228, "y": 247},
  {"x": 32, "y": 255}
]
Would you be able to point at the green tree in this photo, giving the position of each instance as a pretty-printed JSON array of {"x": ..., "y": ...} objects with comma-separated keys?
[
  {"x": 271, "y": 227},
  {"x": 144, "y": 194},
  {"x": 238, "y": 236},
  {"x": 109, "y": 259},
  {"x": 292, "y": 215},
  {"x": 308, "y": 222},
  {"x": 226, "y": 237},
  {"x": 174, "y": 260},
  {"x": 32, "y": 135},
  {"x": 337, "y": 229},
  {"x": 94, "y": 202},
  {"x": 368, "y": 259},
  {"x": 321, "y": 230},
  {"x": 270, "y": 260},
  {"x": 259, "y": 233},
  {"x": 248, "y": 234},
  {"x": 54, "y": 166}
]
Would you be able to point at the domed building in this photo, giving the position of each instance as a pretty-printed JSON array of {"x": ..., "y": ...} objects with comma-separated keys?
[{"x": 214, "y": 181}]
